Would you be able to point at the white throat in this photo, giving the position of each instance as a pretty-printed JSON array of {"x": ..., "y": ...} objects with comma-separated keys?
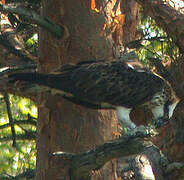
[{"x": 158, "y": 111}]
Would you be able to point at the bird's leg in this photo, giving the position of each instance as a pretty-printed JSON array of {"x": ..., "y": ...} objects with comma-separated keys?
[
  {"x": 124, "y": 118},
  {"x": 131, "y": 128},
  {"x": 159, "y": 122},
  {"x": 160, "y": 118}
]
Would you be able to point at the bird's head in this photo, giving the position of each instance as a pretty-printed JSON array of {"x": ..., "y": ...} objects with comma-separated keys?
[
  {"x": 164, "y": 112},
  {"x": 165, "y": 103}
]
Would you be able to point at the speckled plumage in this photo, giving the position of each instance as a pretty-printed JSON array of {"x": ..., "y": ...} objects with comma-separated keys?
[{"x": 101, "y": 84}]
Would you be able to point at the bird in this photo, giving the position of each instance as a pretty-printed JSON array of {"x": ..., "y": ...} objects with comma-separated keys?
[{"x": 108, "y": 85}]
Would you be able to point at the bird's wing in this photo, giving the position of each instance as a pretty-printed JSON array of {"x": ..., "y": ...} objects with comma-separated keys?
[
  {"x": 102, "y": 83},
  {"x": 108, "y": 82}
]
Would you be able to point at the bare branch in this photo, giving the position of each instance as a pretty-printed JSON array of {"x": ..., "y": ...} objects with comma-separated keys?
[
  {"x": 8, "y": 40},
  {"x": 7, "y": 101},
  {"x": 161, "y": 69},
  {"x": 31, "y": 16},
  {"x": 28, "y": 174},
  {"x": 10, "y": 87},
  {"x": 26, "y": 136},
  {"x": 174, "y": 166},
  {"x": 19, "y": 122},
  {"x": 82, "y": 164}
]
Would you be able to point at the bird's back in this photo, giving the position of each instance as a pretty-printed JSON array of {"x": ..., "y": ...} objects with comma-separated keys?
[{"x": 113, "y": 83}]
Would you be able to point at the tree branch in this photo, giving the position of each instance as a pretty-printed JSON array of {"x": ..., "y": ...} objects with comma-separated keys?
[
  {"x": 161, "y": 69},
  {"x": 28, "y": 174},
  {"x": 31, "y": 16},
  {"x": 19, "y": 122},
  {"x": 4, "y": 41},
  {"x": 11, "y": 122},
  {"x": 11, "y": 88},
  {"x": 26, "y": 136},
  {"x": 82, "y": 164},
  {"x": 174, "y": 166}
]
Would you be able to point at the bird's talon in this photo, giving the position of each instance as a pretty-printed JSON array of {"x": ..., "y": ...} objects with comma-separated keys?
[{"x": 160, "y": 122}]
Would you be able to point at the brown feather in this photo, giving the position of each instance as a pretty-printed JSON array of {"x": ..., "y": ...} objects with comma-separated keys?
[
  {"x": 100, "y": 82},
  {"x": 110, "y": 82}
]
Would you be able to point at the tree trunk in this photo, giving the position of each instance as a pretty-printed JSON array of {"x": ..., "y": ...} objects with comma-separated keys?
[{"x": 63, "y": 126}]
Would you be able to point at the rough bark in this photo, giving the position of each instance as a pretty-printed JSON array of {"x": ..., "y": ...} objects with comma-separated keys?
[
  {"x": 146, "y": 165},
  {"x": 82, "y": 164},
  {"x": 63, "y": 126},
  {"x": 130, "y": 9}
]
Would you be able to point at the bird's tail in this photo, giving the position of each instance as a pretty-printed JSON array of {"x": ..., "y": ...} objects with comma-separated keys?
[{"x": 32, "y": 78}]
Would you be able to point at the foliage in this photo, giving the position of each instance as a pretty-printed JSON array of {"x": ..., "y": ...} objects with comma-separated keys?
[
  {"x": 155, "y": 42},
  {"x": 21, "y": 158},
  {"x": 15, "y": 160},
  {"x": 31, "y": 44}
]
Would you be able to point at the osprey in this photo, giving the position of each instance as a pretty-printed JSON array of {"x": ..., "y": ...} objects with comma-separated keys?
[{"x": 108, "y": 85}]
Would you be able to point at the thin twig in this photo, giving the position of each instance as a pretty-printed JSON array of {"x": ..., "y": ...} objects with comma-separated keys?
[
  {"x": 27, "y": 174},
  {"x": 160, "y": 68},
  {"x": 7, "y": 101},
  {"x": 27, "y": 136},
  {"x": 19, "y": 122}
]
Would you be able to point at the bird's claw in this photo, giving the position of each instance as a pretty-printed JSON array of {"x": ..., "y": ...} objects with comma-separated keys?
[{"x": 160, "y": 122}]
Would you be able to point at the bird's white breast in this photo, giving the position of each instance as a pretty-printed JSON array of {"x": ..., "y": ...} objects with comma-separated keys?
[{"x": 124, "y": 118}]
